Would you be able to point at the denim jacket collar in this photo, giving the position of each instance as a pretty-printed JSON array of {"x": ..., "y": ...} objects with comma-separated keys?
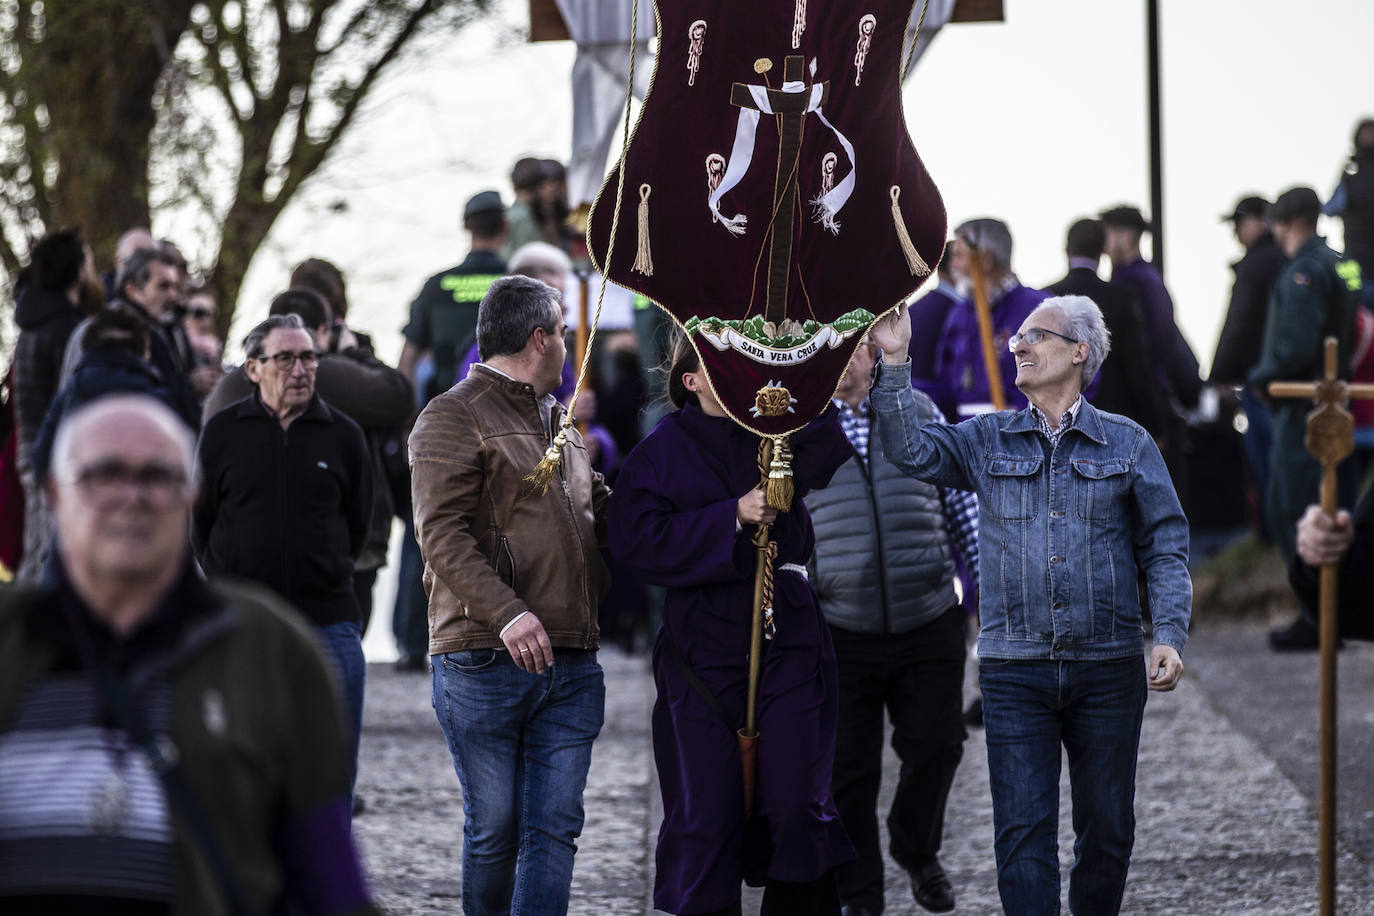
[{"x": 1089, "y": 423}]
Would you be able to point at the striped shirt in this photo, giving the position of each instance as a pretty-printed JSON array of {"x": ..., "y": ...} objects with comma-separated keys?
[
  {"x": 960, "y": 506},
  {"x": 81, "y": 810}
]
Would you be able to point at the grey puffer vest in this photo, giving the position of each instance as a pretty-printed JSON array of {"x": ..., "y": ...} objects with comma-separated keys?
[{"x": 882, "y": 562}]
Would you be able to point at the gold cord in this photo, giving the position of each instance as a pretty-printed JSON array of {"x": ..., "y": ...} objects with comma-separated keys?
[
  {"x": 542, "y": 475},
  {"x": 911, "y": 51}
]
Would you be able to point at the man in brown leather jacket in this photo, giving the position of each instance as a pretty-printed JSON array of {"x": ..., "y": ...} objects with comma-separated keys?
[{"x": 514, "y": 578}]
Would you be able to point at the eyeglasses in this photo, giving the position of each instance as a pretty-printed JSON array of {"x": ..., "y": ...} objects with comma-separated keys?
[
  {"x": 1034, "y": 336},
  {"x": 200, "y": 313},
  {"x": 285, "y": 360},
  {"x": 105, "y": 481}
]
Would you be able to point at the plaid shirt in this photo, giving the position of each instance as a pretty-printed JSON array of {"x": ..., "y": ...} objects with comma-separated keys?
[
  {"x": 1066, "y": 422},
  {"x": 960, "y": 506}
]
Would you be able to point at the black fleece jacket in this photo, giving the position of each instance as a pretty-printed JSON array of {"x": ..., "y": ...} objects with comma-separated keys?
[{"x": 288, "y": 508}]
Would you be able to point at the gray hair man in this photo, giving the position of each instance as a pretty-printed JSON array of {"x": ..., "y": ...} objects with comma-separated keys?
[
  {"x": 514, "y": 578},
  {"x": 373, "y": 395},
  {"x": 1081, "y": 506},
  {"x": 148, "y": 281},
  {"x": 287, "y": 499},
  {"x": 167, "y": 742}
]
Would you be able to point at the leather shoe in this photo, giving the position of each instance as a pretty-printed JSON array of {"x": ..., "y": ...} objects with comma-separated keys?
[{"x": 932, "y": 890}]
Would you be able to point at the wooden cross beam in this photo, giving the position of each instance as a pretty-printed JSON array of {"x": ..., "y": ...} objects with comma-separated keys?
[
  {"x": 1330, "y": 439},
  {"x": 790, "y": 109}
]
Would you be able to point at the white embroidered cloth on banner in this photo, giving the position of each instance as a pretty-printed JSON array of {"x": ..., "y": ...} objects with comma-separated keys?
[{"x": 742, "y": 156}]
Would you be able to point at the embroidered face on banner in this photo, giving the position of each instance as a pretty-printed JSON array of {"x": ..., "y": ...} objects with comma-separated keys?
[{"x": 816, "y": 215}]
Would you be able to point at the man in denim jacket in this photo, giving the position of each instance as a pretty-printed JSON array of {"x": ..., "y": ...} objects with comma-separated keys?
[{"x": 1075, "y": 504}]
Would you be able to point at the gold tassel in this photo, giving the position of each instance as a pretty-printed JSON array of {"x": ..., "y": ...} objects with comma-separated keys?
[
  {"x": 914, "y": 261},
  {"x": 644, "y": 259},
  {"x": 780, "y": 488},
  {"x": 542, "y": 475}
]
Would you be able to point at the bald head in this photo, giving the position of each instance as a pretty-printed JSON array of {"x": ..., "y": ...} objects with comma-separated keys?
[
  {"x": 121, "y": 487},
  {"x": 89, "y": 429}
]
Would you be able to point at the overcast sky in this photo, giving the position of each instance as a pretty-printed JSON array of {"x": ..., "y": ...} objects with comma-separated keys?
[{"x": 1037, "y": 120}]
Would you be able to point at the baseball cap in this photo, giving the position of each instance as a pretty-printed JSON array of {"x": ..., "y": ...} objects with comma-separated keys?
[
  {"x": 1296, "y": 203},
  {"x": 483, "y": 202},
  {"x": 1254, "y": 206}
]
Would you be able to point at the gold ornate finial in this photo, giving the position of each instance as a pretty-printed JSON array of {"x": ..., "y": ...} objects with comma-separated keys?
[{"x": 772, "y": 401}]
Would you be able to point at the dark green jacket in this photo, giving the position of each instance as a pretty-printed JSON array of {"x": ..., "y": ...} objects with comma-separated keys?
[
  {"x": 1314, "y": 296},
  {"x": 270, "y": 771}
]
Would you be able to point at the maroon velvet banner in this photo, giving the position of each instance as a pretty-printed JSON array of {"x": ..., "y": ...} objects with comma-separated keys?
[{"x": 773, "y": 202}]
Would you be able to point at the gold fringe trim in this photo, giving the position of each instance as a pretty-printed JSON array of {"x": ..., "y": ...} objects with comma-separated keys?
[
  {"x": 644, "y": 258},
  {"x": 542, "y": 475},
  {"x": 780, "y": 489},
  {"x": 914, "y": 261}
]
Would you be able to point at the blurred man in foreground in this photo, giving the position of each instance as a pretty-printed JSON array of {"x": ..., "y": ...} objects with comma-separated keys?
[{"x": 169, "y": 745}]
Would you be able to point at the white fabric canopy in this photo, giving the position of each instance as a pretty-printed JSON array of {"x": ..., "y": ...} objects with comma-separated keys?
[
  {"x": 601, "y": 29},
  {"x": 937, "y": 16}
]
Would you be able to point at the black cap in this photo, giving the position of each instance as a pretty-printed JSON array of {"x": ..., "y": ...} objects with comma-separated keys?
[
  {"x": 483, "y": 202},
  {"x": 1300, "y": 203},
  {"x": 1252, "y": 206},
  {"x": 1124, "y": 217}
]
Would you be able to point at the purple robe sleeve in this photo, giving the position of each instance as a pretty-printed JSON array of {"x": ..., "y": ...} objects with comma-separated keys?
[{"x": 672, "y": 520}]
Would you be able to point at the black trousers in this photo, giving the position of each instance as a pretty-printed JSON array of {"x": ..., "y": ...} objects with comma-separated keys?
[{"x": 918, "y": 678}]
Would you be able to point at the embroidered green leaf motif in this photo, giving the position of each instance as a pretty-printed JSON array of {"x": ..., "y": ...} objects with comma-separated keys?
[{"x": 754, "y": 328}]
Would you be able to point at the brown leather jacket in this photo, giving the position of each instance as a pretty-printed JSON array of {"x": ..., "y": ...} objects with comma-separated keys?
[{"x": 493, "y": 546}]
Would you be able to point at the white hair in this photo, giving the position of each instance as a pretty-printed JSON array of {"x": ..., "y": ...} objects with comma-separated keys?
[
  {"x": 159, "y": 413},
  {"x": 1086, "y": 326},
  {"x": 990, "y": 235},
  {"x": 538, "y": 256}
]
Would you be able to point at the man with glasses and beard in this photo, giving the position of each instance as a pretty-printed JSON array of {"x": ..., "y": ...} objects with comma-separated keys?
[{"x": 287, "y": 496}]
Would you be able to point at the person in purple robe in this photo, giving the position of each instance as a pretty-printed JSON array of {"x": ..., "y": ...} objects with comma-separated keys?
[
  {"x": 960, "y": 387},
  {"x": 929, "y": 313},
  {"x": 683, "y": 513}
]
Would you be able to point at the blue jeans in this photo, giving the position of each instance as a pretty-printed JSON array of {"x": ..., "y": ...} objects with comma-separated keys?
[
  {"x": 1094, "y": 709},
  {"x": 343, "y": 643},
  {"x": 522, "y": 745}
]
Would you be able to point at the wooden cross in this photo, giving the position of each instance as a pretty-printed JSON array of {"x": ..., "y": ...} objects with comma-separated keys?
[
  {"x": 1330, "y": 439},
  {"x": 790, "y": 108}
]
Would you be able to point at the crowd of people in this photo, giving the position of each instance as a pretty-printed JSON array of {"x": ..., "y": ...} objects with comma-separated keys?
[{"x": 195, "y": 548}]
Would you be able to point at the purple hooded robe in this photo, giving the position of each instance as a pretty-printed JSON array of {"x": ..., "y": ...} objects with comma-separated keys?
[{"x": 672, "y": 517}]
